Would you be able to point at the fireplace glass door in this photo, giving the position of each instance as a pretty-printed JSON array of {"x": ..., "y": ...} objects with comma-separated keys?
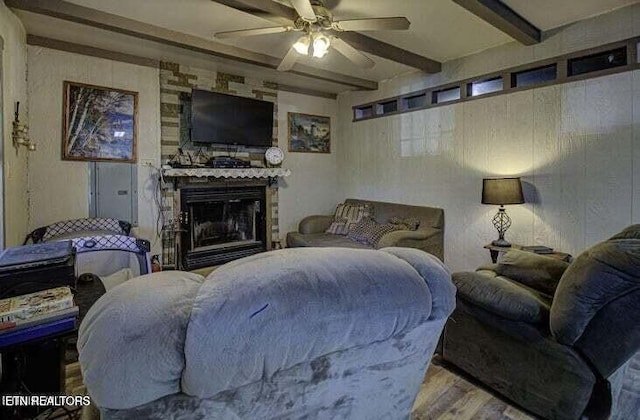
[{"x": 221, "y": 224}]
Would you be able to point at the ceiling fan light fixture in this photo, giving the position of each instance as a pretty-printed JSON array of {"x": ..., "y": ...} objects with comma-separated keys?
[
  {"x": 321, "y": 45},
  {"x": 302, "y": 45}
]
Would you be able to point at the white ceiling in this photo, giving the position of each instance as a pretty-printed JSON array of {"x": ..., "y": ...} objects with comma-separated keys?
[
  {"x": 549, "y": 14},
  {"x": 440, "y": 29}
]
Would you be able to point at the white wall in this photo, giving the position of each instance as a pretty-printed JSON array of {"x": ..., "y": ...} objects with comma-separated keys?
[
  {"x": 59, "y": 190},
  {"x": 576, "y": 146},
  {"x": 14, "y": 162},
  {"x": 311, "y": 188}
]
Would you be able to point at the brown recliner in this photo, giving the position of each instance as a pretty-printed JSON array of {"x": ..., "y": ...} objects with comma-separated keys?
[{"x": 559, "y": 340}]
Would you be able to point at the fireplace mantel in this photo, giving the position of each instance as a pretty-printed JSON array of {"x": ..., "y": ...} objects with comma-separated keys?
[{"x": 226, "y": 172}]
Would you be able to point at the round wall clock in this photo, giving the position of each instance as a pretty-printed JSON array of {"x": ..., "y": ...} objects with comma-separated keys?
[{"x": 274, "y": 156}]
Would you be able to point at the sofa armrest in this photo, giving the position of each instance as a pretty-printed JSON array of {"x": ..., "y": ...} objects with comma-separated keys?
[
  {"x": 394, "y": 238},
  {"x": 428, "y": 239},
  {"x": 315, "y": 224},
  {"x": 501, "y": 296}
]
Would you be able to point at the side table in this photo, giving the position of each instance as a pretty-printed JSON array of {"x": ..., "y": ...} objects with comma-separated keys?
[
  {"x": 496, "y": 250},
  {"x": 38, "y": 365},
  {"x": 34, "y": 366}
]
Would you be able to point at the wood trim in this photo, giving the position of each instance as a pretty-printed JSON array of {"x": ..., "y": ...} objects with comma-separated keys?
[
  {"x": 632, "y": 51},
  {"x": 598, "y": 49},
  {"x": 305, "y": 91},
  {"x": 141, "y": 61},
  {"x": 261, "y": 6},
  {"x": 502, "y": 17},
  {"x": 562, "y": 77},
  {"x": 563, "y": 70},
  {"x": 332, "y": 77},
  {"x": 71, "y": 47},
  {"x": 71, "y": 12}
]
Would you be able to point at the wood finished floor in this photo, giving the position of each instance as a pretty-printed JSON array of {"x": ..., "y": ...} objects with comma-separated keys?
[
  {"x": 446, "y": 396},
  {"x": 443, "y": 396},
  {"x": 73, "y": 380}
]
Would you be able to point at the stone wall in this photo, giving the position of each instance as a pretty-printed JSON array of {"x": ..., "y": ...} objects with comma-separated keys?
[{"x": 176, "y": 83}]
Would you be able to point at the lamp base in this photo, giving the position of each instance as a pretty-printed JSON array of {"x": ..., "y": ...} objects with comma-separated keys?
[{"x": 501, "y": 242}]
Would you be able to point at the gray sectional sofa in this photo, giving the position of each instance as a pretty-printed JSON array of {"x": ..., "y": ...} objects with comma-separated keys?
[{"x": 428, "y": 237}]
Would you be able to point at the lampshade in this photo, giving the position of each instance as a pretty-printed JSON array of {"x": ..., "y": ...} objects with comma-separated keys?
[
  {"x": 502, "y": 191},
  {"x": 302, "y": 45},
  {"x": 320, "y": 45}
]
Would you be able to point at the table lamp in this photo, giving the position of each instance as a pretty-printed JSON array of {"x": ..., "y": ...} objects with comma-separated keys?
[{"x": 502, "y": 191}]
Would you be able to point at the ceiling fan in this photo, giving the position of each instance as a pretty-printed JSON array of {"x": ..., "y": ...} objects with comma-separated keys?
[{"x": 320, "y": 32}]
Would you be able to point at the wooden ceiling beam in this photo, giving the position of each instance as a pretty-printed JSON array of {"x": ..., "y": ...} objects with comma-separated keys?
[
  {"x": 266, "y": 9},
  {"x": 273, "y": 11},
  {"x": 91, "y": 17},
  {"x": 502, "y": 17},
  {"x": 390, "y": 52}
]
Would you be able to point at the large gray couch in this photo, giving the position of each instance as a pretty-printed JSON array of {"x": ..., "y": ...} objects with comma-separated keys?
[
  {"x": 290, "y": 334},
  {"x": 429, "y": 236},
  {"x": 559, "y": 343}
]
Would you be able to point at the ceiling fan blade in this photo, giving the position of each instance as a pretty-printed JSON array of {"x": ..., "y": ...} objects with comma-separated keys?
[
  {"x": 304, "y": 9},
  {"x": 252, "y": 32},
  {"x": 375, "y": 24},
  {"x": 351, "y": 53},
  {"x": 289, "y": 60}
]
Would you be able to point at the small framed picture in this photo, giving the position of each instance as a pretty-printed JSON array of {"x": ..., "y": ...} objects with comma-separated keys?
[
  {"x": 99, "y": 123},
  {"x": 309, "y": 133}
]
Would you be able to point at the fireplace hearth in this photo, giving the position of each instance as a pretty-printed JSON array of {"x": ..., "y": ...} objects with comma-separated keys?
[{"x": 220, "y": 224}]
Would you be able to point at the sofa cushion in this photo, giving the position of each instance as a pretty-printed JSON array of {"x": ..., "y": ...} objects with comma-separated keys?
[
  {"x": 501, "y": 296},
  {"x": 535, "y": 271},
  {"x": 369, "y": 232},
  {"x": 348, "y": 215},
  {"x": 295, "y": 239}
]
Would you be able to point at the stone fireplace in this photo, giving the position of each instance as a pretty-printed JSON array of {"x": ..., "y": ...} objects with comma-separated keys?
[
  {"x": 219, "y": 215},
  {"x": 220, "y": 224},
  {"x": 176, "y": 84}
]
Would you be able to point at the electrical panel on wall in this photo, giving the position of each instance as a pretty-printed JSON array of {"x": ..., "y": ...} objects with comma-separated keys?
[{"x": 113, "y": 191}]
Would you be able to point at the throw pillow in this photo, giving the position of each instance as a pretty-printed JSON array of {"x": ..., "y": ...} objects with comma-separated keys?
[
  {"x": 337, "y": 226},
  {"x": 360, "y": 231},
  {"x": 407, "y": 223},
  {"x": 347, "y": 215},
  {"x": 369, "y": 232}
]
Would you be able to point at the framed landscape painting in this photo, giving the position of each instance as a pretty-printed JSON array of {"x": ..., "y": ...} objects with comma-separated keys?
[
  {"x": 99, "y": 123},
  {"x": 309, "y": 133}
]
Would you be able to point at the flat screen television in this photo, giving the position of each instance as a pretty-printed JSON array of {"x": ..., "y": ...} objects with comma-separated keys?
[{"x": 227, "y": 119}]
